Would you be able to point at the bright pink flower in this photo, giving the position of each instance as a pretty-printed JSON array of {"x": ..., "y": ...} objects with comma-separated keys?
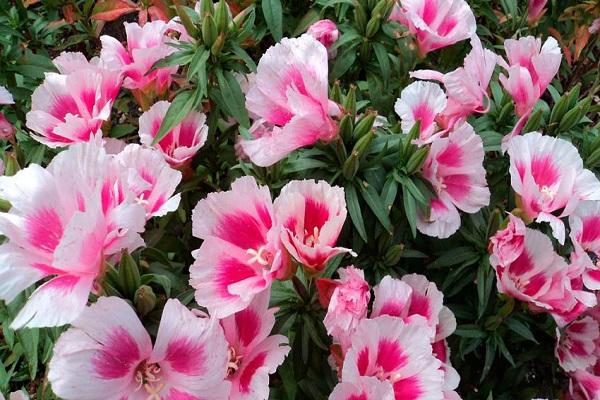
[
  {"x": 399, "y": 353},
  {"x": 584, "y": 385},
  {"x": 535, "y": 10},
  {"x": 58, "y": 227},
  {"x": 363, "y": 388},
  {"x": 145, "y": 45},
  {"x": 530, "y": 68},
  {"x": 253, "y": 352},
  {"x": 540, "y": 277},
  {"x": 70, "y": 107},
  {"x": 150, "y": 179},
  {"x": 548, "y": 176},
  {"x": 182, "y": 142},
  {"x": 437, "y": 23},
  {"x": 348, "y": 304},
  {"x": 5, "y": 96},
  {"x": 413, "y": 298},
  {"x": 7, "y": 130},
  {"x": 576, "y": 346},
  {"x": 423, "y": 102},
  {"x": 466, "y": 87},
  {"x": 312, "y": 215},
  {"x": 107, "y": 354},
  {"x": 454, "y": 167},
  {"x": 290, "y": 95},
  {"x": 507, "y": 244},
  {"x": 326, "y": 32},
  {"x": 241, "y": 254},
  {"x": 585, "y": 235}
]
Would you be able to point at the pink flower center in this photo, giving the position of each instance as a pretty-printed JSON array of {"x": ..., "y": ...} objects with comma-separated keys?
[
  {"x": 548, "y": 192},
  {"x": 311, "y": 240},
  {"x": 261, "y": 256},
  {"x": 234, "y": 361},
  {"x": 148, "y": 376},
  {"x": 389, "y": 376}
]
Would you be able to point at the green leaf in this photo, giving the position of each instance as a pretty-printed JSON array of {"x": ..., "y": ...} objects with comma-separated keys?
[
  {"x": 470, "y": 331},
  {"x": 520, "y": 328},
  {"x": 376, "y": 205},
  {"x": 273, "y": 13},
  {"x": 384, "y": 61},
  {"x": 183, "y": 103},
  {"x": 198, "y": 64},
  {"x": 286, "y": 372},
  {"x": 29, "y": 339},
  {"x": 355, "y": 211},
  {"x": 410, "y": 209},
  {"x": 490, "y": 355},
  {"x": 456, "y": 256},
  {"x": 160, "y": 280},
  {"x": 233, "y": 97},
  {"x": 342, "y": 63}
]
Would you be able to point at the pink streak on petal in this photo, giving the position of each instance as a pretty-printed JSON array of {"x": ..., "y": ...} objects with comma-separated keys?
[
  {"x": 118, "y": 356},
  {"x": 44, "y": 229}
]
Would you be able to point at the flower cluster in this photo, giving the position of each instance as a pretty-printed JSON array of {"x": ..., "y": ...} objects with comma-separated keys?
[
  {"x": 399, "y": 351},
  {"x": 262, "y": 229}
]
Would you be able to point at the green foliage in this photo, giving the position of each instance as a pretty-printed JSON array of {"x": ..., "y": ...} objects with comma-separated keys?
[{"x": 501, "y": 350}]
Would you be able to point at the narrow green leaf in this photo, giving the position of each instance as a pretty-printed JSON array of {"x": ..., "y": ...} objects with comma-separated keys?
[
  {"x": 410, "y": 209},
  {"x": 376, "y": 205},
  {"x": 273, "y": 13},
  {"x": 233, "y": 97},
  {"x": 384, "y": 62},
  {"x": 183, "y": 103},
  {"x": 355, "y": 211},
  {"x": 520, "y": 328}
]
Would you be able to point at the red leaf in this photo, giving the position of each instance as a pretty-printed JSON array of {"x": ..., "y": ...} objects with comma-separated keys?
[{"x": 110, "y": 10}]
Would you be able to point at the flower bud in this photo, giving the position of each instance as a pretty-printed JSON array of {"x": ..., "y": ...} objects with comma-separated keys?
[
  {"x": 144, "y": 300},
  {"x": 326, "y": 32}
]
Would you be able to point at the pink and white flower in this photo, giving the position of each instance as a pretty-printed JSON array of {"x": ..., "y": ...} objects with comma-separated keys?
[
  {"x": 576, "y": 346},
  {"x": 253, "y": 352},
  {"x": 466, "y": 86},
  {"x": 107, "y": 354},
  {"x": 326, "y": 32},
  {"x": 58, "y": 227},
  {"x": 289, "y": 94},
  {"x": 530, "y": 69},
  {"x": 584, "y": 385},
  {"x": 145, "y": 45},
  {"x": 535, "y": 10},
  {"x": 18, "y": 395},
  {"x": 507, "y": 244},
  {"x": 348, "y": 304},
  {"x": 540, "y": 277},
  {"x": 436, "y": 23},
  {"x": 70, "y": 107},
  {"x": 364, "y": 388},
  {"x": 312, "y": 215},
  {"x": 150, "y": 179},
  {"x": 585, "y": 235},
  {"x": 182, "y": 142},
  {"x": 548, "y": 176},
  {"x": 422, "y": 102},
  {"x": 396, "y": 298},
  {"x": 241, "y": 254},
  {"x": 5, "y": 96},
  {"x": 393, "y": 351},
  {"x": 454, "y": 166}
]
